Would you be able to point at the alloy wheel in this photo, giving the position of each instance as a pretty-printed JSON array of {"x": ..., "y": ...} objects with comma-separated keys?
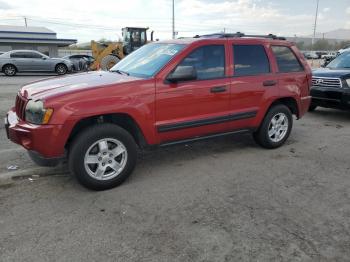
[
  {"x": 105, "y": 159},
  {"x": 278, "y": 127}
]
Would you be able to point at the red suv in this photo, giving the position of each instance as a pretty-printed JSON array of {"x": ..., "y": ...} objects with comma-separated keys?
[{"x": 163, "y": 93}]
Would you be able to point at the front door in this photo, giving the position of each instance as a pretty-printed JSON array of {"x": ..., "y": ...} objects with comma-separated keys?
[
  {"x": 195, "y": 107},
  {"x": 39, "y": 62}
]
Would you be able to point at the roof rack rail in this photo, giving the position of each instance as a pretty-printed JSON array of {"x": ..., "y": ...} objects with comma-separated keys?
[{"x": 239, "y": 34}]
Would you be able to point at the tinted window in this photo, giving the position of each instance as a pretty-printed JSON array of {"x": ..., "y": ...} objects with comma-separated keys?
[
  {"x": 143, "y": 37},
  {"x": 209, "y": 61},
  {"x": 33, "y": 55},
  {"x": 25, "y": 55},
  {"x": 250, "y": 60},
  {"x": 18, "y": 55},
  {"x": 286, "y": 60}
]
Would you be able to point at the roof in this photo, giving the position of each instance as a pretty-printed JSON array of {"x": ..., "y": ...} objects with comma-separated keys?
[
  {"x": 187, "y": 41},
  {"x": 224, "y": 36},
  {"x": 59, "y": 42},
  {"x": 24, "y": 29},
  {"x": 31, "y": 35}
]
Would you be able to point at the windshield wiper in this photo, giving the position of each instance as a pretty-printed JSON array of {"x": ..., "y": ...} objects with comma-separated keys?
[{"x": 120, "y": 72}]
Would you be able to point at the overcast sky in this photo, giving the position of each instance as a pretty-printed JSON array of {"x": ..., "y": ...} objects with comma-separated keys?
[{"x": 86, "y": 20}]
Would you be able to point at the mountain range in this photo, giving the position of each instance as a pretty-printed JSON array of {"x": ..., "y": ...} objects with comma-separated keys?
[{"x": 340, "y": 33}]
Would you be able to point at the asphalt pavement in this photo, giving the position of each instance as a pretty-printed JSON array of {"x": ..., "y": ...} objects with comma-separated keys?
[{"x": 224, "y": 199}]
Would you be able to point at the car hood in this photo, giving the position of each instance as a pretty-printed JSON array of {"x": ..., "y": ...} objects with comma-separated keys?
[
  {"x": 72, "y": 83},
  {"x": 330, "y": 72}
]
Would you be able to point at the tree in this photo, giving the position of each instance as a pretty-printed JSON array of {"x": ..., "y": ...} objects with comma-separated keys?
[
  {"x": 301, "y": 45},
  {"x": 322, "y": 44},
  {"x": 342, "y": 44}
]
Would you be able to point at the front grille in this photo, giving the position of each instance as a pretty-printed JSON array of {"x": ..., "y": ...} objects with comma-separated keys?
[
  {"x": 21, "y": 103},
  {"x": 326, "y": 82}
]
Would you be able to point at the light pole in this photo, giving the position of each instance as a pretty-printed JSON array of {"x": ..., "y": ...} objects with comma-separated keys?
[
  {"x": 315, "y": 25},
  {"x": 173, "y": 20}
]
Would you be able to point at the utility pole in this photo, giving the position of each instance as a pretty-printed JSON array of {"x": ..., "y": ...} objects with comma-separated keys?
[
  {"x": 173, "y": 19},
  {"x": 315, "y": 25},
  {"x": 25, "y": 21}
]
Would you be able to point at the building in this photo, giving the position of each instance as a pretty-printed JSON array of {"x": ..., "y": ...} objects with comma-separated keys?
[{"x": 31, "y": 38}]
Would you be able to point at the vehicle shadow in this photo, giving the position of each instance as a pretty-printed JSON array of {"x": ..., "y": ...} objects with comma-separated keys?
[
  {"x": 153, "y": 162},
  {"x": 331, "y": 114}
]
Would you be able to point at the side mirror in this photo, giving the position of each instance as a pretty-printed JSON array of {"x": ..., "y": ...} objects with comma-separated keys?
[
  {"x": 43, "y": 58},
  {"x": 182, "y": 73}
]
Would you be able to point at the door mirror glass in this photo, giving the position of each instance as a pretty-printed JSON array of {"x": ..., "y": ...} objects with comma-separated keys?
[{"x": 182, "y": 73}]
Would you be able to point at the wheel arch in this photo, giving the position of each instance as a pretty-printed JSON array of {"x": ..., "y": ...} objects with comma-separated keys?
[
  {"x": 290, "y": 102},
  {"x": 2, "y": 68},
  {"x": 60, "y": 63},
  {"x": 123, "y": 120}
]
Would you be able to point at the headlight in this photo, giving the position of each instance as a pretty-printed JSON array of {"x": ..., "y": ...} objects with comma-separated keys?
[
  {"x": 36, "y": 113},
  {"x": 348, "y": 82}
]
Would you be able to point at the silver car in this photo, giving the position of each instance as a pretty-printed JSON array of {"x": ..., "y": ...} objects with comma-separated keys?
[{"x": 32, "y": 61}]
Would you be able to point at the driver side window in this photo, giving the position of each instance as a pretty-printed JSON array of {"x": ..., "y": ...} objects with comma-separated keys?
[{"x": 208, "y": 61}]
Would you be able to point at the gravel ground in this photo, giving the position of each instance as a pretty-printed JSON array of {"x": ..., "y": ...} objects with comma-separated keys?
[{"x": 219, "y": 200}]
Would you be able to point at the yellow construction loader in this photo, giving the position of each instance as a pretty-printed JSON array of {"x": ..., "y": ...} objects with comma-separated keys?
[{"x": 106, "y": 56}]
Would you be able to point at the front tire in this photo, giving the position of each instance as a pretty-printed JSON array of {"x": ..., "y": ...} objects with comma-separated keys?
[
  {"x": 61, "y": 69},
  {"x": 275, "y": 128},
  {"x": 103, "y": 156},
  {"x": 9, "y": 70}
]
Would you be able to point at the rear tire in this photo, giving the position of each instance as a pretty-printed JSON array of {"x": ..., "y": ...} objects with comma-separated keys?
[
  {"x": 275, "y": 128},
  {"x": 108, "y": 62},
  {"x": 103, "y": 156},
  {"x": 61, "y": 69},
  {"x": 9, "y": 70}
]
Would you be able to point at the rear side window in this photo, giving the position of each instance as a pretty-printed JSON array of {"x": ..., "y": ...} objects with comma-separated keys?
[
  {"x": 209, "y": 61},
  {"x": 250, "y": 60},
  {"x": 33, "y": 55},
  {"x": 286, "y": 59}
]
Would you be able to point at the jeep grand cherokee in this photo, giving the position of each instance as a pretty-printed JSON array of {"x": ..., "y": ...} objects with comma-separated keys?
[{"x": 163, "y": 93}]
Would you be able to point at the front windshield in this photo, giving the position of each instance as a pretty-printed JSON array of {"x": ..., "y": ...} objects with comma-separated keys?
[
  {"x": 148, "y": 60},
  {"x": 342, "y": 61}
]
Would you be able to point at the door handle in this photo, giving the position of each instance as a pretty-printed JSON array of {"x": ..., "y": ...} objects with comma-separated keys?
[
  {"x": 218, "y": 89},
  {"x": 269, "y": 83}
]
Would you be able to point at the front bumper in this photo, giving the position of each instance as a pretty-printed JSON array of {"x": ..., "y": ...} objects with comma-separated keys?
[
  {"x": 43, "y": 139},
  {"x": 331, "y": 97}
]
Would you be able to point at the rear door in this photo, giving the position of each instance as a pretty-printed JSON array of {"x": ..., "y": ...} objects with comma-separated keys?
[
  {"x": 20, "y": 60},
  {"x": 196, "y": 107},
  {"x": 253, "y": 80}
]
